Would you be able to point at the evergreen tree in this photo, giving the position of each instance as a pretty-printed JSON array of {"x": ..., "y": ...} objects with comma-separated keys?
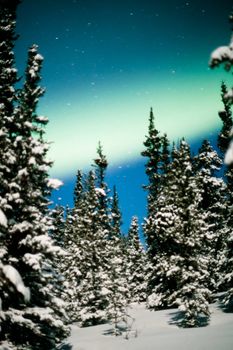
[
  {"x": 213, "y": 203},
  {"x": 86, "y": 234},
  {"x": 137, "y": 264},
  {"x": 153, "y": 153},
  {"x": 224, "y": 144},
  {"x": 75, "y": 233},
  {"x": 222, "y": 56},
  {"x": 78, "y": 190},
  {"x": 32, "y": 314},
  {"x": 157, "y": 150},
  {"x": 179, "y": 269},
  {"x": 165, "y": 158},
  {"x": 58, "y": 224},
  {"x": 119, "y": 294},
  {"x": 115, "y": 215},
  {"x": 92, "y": 289},
  {"x": 100, "y": 165}
]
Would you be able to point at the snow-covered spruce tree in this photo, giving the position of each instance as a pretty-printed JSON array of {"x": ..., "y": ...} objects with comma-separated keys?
[
  {"x": 73, "y": 264},
  {"x": 137, "y": 264},
  {"x": 222, "y": 56},
  {"x": 94, "y": 268},
  {"x": 115, "y": 230},
  {"x": 119, "y": 295},
  {"x": 78, "y": 190},
  {"x": 100, "y": 165},
  {"x": 213, "y": 203},
  {"x": 115, "y": 215},
  {"x": 86, "y": 232},
  {"x": 86, "y": 235},
  {"x": 190, "y": 231},
  {"x": 157, "y": 152},
  {"x": 58, "y": 224},
  {"x": 31, "y": 316},
  {"x": 180, "y": 268},
  {"x": 117, "y": 286},
  {"x": 161, "y": 282},
  {"x": 165, "y": 159},
  {"x": 57, "y": 232},
  {"x": 153, "y": 153},
  {"x": 114, "y": 265}
]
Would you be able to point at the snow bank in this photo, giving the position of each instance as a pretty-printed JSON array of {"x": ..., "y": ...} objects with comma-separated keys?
[{"x": 157, "y": 331}]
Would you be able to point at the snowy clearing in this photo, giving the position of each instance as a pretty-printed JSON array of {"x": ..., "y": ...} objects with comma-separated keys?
[{"x": 155, "y": 331}]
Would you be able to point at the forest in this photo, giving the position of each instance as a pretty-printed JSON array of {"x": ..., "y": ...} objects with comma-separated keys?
[{"x": 64, "y": 265}]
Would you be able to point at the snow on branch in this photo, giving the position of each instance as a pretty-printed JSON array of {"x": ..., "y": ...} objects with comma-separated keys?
[
  {"x": 3, "y": 219},
  {"x": 100, "y": 191},
  {"x": 54, "y": 183},
  {"x": 229, "y": 154},
  {"x": 14, "y": 277},
  {"x": 222, "y": 54}
]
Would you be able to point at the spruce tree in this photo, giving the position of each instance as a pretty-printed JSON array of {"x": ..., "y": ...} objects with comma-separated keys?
[
  {"x": 78, "y": 190},
  {"x": 180, "y": 268},
  {"x": 118, "y": 288},
  {"x": 137, "y": 264},
  {"x": 119, "y": 294},
  {"x": 86, "y": 233},
  {"x": 165, "y": 158},
  {"x": 32, "y": 314},
  {"x": 224, "y": 143},
  {"x": 115, "y": 215},
  {"x": 153, "y": 153},
  {"x": 94, "y": 279},
  {"x": 158, "y": 154},
  {"x": 222, "y": 56},
  {"x": 75, "y": 233},
  {"x": 190, "y": 230},
  {"x": 213, "y": 189}
]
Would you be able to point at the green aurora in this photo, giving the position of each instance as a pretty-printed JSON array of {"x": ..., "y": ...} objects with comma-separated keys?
[{"x": 106, "y": 64}]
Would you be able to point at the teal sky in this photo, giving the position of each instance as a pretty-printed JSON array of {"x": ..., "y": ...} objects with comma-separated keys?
[{"x": 108, "y": 62}]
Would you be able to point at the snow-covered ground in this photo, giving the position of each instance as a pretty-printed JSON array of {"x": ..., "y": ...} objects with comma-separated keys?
[{"x": 156, "y": 331}]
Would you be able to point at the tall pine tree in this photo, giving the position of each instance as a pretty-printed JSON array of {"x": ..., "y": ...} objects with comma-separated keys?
[{"x": 32, "y": 315}]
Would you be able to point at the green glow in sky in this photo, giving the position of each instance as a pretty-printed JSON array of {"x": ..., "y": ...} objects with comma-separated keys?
[
  {"x": 183, "y": 106},
  {"x": 107, "y": 62}
]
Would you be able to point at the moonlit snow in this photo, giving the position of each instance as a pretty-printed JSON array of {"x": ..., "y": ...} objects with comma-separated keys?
[{"x": 156, "y": 330}]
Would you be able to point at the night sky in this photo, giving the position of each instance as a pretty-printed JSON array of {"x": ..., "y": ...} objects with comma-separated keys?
[{"x": 106, "y": 63}]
